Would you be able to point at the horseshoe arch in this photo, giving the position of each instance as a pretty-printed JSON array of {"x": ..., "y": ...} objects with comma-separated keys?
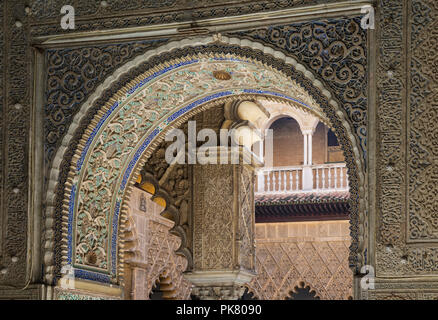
[{"x": 127, "y": 129}]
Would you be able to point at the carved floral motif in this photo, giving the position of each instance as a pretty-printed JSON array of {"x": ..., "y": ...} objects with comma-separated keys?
[
  {"x": 73, "y": 74},
  {"x": 213, "y": 233},
  {"x": 119, "y": 14},
  {"x": 423, "y": 131}
]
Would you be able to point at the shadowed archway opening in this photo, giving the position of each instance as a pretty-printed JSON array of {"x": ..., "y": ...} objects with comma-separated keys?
[
  {"x": 163, "y": 289},
  {"x": 302, "y": 292}
]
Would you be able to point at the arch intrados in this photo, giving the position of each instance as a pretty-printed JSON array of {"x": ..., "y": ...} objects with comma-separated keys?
[
  {"x": 135, "y": 176},
  {"x": 282, "y": 116},
  {"x": 294, "y": 114}
]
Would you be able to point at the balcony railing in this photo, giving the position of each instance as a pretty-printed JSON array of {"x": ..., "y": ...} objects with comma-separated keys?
[{"x": 324, "y": 177}]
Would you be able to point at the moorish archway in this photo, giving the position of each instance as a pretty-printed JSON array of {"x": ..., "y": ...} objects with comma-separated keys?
[{"x": 148, "y": 102}]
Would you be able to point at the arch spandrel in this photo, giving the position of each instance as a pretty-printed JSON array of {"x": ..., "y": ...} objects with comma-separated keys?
[{"x": 112, "y": 154}]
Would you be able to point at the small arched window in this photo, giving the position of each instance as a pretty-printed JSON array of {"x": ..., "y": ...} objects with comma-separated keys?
[{"x": 332, "y": 140}]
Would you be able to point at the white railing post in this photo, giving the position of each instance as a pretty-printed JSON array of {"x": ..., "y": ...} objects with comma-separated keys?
[
  {"x": 274, "y": 180},
  {"x": 284, "y": 181},
  {"x": 342, "y": 177},
  {"x": 346, "y": 178},
  {"x": 329, "y": 178},
  {"x": 323, "y": 178},
  {"x": 268, "y": 181},
  {"x": 307, "y": 178},
  {"x": 317, "y": 179},
  {"x": 260, "y": 181}
]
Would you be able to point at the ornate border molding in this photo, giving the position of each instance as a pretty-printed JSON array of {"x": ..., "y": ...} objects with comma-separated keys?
[{"x": 184, "y": 18}]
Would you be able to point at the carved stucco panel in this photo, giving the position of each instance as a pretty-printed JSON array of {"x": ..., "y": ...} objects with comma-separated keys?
[
  {"x": 422, "y": 118},
  {"x": 315, "y": 253},
  {"x": 15, "y": 122},
  {"x": 330, "y": 279},
  {"x": 45, "y": 14},
  {"x": 407, "y": 168},
  {"x": 246, "y": 219},
  {"x": 213, "y": 228},
  {"x": 154, "y": 248},
  {"x": 390, "y": 125}
]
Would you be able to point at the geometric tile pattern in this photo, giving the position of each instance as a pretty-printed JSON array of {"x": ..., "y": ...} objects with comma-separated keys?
[{"x": 322, "y": 265}]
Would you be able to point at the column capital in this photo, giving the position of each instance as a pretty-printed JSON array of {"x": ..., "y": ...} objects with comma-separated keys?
[
  {"x": 219, "y": 285},
  {"x": 223, "y": 239},
  {"x": 219, "y": 292},
  {"x": 308, "y": 131}
]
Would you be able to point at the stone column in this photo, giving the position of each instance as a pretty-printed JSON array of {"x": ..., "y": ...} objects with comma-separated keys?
[
  {"x": 260, "y": 174},
  {"x": 260, "y": 181},
  {"x": 260, "y": 150},
  {"x": 223, "y": 227},
  {"x": 305, "y": 149},
  {"x": 309, "y": 148},
  {"x": 307, "y": 163}
]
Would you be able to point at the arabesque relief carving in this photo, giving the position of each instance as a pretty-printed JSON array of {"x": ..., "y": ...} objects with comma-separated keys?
[
  {"x": 407, "y": 189},
  {"x": 405, "y": 77},
  {"x": 423, "y": 131},
  {"x": 15, "y": 123},
  {"x": 212, "y": 234},
  {"x": 72, "y": 75}
]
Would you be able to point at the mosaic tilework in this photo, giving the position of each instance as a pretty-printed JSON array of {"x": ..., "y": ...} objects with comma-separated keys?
[
  {"x": 114, "y": 238},
  {"x": 70, "y": 224},
  {"x": 90, "y": 275}
]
